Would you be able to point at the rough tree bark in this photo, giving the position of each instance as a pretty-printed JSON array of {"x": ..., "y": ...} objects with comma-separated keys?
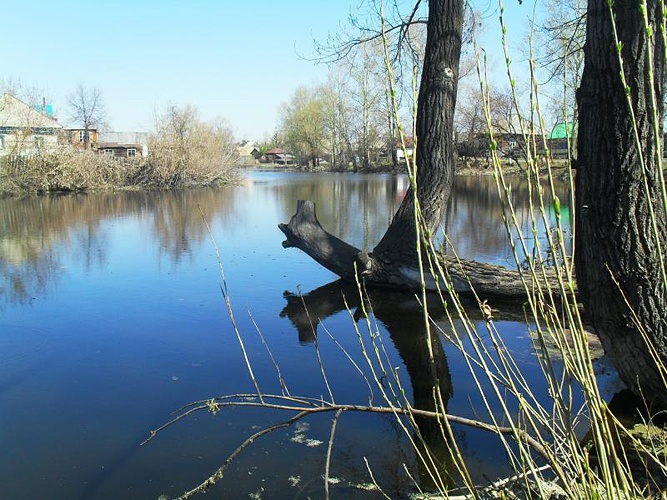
[
  {"x": 435, "y": 152},
  {"x": 619, "y": 268}
]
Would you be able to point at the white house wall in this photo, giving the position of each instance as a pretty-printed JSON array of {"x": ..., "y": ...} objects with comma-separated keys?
[{"x": 24, "y": 130}]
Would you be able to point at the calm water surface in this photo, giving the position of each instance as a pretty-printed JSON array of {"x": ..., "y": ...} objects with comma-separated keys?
[{"x": 111, "y": 317}]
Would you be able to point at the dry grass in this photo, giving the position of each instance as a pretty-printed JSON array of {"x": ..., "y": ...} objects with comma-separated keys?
[
  {"x": 62, "y": 171},
  {"x": 76, "y": 171}
]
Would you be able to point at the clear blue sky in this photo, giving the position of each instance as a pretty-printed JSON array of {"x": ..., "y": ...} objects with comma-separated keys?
[{"x": 235, "y": 59}]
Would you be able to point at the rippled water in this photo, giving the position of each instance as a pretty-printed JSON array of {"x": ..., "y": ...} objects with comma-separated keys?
[{"x": 112, "y": 317}]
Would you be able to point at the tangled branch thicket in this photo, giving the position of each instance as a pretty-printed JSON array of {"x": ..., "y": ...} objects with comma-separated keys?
[
  {"x": 76, "y": 171},
  {"x": 186, "y": 151},
  {"x": 63, "y": 171}
]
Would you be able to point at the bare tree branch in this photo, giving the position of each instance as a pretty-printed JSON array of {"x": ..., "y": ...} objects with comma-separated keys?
[{"x": 87, "y": 109}]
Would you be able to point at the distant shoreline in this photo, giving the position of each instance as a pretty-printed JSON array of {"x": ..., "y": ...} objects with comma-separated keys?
[{"x": 464, "y": 167}]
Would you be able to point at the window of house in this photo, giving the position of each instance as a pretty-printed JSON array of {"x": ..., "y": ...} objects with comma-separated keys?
[
  {"x": 39, "y": 142},
  {"x": 131, "y": 152},
  {"x": 82, "y": 136},
  {"x": 2, "y": 142},
  {"x": 108, "y": 152}
]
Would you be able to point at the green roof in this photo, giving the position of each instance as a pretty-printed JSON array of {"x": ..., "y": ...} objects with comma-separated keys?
[{"x": 561, "y": 131}]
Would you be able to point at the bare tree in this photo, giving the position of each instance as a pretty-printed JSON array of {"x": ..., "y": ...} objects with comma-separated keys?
[
  {"x": 560, "y": 52},
  {"x": 184, "y": 150},
  {"x": 395, "y": 259},
  {"x": 87, "y": 109},
  {"x": 338, "y": 118}
]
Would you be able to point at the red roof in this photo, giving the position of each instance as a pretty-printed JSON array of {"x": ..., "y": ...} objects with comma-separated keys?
[{"x": 276, "y": 151}]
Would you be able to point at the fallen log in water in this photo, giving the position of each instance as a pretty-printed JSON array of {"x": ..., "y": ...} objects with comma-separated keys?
[{"x": 306, "y": 233}]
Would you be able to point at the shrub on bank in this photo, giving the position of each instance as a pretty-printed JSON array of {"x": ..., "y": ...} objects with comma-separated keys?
[
  {"x": 184, "y": 151},
  {"x": 168, "y": 169},
  {"x": 71, "y": 171},
  {"x": 62, "y": 171}
]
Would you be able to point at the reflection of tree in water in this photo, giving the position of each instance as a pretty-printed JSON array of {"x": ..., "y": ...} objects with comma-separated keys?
[
  {"x": 474, "y": 220},
  {"x": 357, "y": 209},
  {"x": 30, "y": 230},
  {"x": 177, "y": 219},
  {"x": 34, "y": 231},
  {"x": 401, "y": 315},
  {"x": 20, "y": 284},
  {"x": 37, "y": 232}
]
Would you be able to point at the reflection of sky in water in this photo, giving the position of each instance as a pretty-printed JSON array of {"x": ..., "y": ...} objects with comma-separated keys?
[{"x": 129, "y": 323}]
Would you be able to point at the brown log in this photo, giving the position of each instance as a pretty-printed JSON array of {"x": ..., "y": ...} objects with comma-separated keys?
[{"x": 305, "y": 232}]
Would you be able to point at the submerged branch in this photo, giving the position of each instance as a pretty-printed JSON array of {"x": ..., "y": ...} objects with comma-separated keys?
[
  {"x": 296, "y": 405},
  {"x": 220, "y": 472},
  {"x": 327, "y": 465},
  {"x": 287, "y": 403}
]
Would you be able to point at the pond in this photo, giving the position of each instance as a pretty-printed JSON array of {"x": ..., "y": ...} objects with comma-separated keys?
[{"x": 112, "y": 317}]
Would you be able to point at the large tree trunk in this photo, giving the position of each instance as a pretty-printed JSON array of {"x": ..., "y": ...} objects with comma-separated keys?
[
  {"x": 619, "y": 265},
  {"x": 435, "y": 148},
  {"x": 394, "y": 261}
]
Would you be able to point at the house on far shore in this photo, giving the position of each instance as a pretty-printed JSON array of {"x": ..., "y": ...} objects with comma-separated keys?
[
  {"x": 248, "y": 153},
  {"x": 279, "y": 156},
  {"x": 560, "y": 138},
  {"x": 409, "y": 149},
  {"x": 123, "y": 144},
  {"x": 26, "y": 129},
  {"x": 80, "y": 138}
]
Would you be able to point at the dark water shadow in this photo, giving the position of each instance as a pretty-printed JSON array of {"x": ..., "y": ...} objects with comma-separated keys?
[{"x": 402, "y": 316}]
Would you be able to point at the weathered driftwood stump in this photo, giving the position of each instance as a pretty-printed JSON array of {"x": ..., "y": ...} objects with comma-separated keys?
[{"x": 305, "y": 232}]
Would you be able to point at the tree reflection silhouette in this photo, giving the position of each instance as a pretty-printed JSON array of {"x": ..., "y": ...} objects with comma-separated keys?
[
  {"x": 402, "y": 316},
  {"x": 37, "y": 232}
]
